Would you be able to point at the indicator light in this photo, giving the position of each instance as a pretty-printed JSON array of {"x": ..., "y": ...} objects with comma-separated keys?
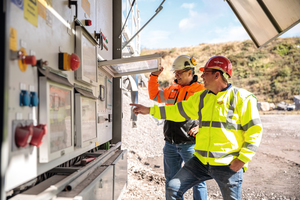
[
  {"x": 87, "y": 22},
  {"x": 104, "y": 38},
  {"x": 105, "y": 46}
]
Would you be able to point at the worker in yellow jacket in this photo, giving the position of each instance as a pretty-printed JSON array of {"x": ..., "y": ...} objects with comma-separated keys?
[
  {"x": 229, "y": 134},
  {"x": 179, "y": 136}
]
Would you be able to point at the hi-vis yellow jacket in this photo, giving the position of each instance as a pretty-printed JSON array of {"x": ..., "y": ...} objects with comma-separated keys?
[{"x": 229, "y": 124}]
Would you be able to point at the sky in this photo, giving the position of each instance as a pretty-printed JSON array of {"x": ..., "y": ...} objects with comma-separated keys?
[{"x": 185, "y": 23}]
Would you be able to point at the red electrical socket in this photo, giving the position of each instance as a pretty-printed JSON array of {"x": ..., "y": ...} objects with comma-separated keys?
[
  {"x": 38, "y": 132},
  {"x": 23, "y": 135}
]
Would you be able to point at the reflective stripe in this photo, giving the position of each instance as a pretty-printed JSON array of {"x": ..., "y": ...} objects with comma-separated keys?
[
  {"x": 169, "y": 101},
  {"x": 181, "y": 111},
  {"x": 229, "y": 121},
  {"x": 251, "y": 123},
  {"x": 201, "y": 104},
  {"x": 162, "y": 112},
  {"x": 251, "y": 147},
  {"x": 217, "y": 154},
  {"x": 155, "y": 98},
  {"x": 202, "y": 153},
  {"x": 205, "y": 123},
  {"x": 222, "y": 125},
  {"x": 229, "y": 124},
  {"x": 162, "y": 96}
]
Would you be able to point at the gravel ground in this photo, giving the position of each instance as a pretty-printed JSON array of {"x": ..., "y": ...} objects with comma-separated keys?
[{"x": 274, "y": 172}]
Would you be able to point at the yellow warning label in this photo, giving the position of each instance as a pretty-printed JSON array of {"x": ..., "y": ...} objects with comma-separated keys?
[
  {"x": 13, "y": 39},
  {"x": 31, "y": 11},
  {"x": 85, "y": 4}
]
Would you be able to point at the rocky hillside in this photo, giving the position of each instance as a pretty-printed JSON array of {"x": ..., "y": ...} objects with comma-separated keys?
[{"x": 272, "y": 72}]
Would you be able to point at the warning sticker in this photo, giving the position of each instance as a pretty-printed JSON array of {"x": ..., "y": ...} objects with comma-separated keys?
[
  {"x": 31, "y": 11},
  {"x": 85, "y": 4},
  {"x": 13, "y": 39},
  {"x": 18, "y": 3},
  {"x": 42, "y": 10}
]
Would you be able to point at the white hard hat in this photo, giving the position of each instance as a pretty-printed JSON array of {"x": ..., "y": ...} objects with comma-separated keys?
[{"x": 183, "y": 62}]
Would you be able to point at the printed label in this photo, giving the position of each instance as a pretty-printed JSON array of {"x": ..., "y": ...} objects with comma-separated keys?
[
  {"x": 13, "y": 39},
  {"x": 85, "y": 4},
  {"x": 31, "y": 11},
  {"x": 18, "y": 3}
]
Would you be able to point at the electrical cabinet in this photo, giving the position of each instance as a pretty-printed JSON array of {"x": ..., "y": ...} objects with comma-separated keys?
[{"x": 59, "y": 122}]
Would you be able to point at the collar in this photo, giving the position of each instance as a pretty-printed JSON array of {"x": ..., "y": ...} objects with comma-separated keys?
[{"x": 227, "y": 88}]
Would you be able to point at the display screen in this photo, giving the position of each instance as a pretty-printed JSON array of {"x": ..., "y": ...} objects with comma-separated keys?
[
  {"x": 88, "y": 119},
  {"x": 89, "y": 62},
  {"x": 60, "y": 119}
]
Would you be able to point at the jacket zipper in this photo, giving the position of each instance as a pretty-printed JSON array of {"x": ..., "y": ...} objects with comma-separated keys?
[
  {"x": 209, "y": 138},
  {"x": 185, "y": 95}
]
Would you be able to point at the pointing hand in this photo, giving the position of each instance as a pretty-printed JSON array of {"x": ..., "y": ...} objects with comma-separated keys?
[{"x": 140, "y": 109}]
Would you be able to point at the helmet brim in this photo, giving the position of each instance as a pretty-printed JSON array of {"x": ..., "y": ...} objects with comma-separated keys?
[{"x": 212, "y": 67}]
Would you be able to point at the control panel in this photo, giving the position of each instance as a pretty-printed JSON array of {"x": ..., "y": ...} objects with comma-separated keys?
[{"x": 60, "y": 103}]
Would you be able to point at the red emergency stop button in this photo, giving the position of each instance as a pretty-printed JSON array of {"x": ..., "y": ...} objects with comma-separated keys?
[
  {"x": 23, "y": 135},
  {"x": 38, "y": 132},
  {"x": 75, "y": 62},
  {"x": 29, "y": 60}
]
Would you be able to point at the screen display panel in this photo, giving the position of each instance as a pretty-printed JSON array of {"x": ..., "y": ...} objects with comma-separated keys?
[{"x": 60, "y": 118}]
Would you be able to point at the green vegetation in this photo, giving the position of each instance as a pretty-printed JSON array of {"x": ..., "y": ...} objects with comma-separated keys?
[{"x": 272, "y": 72}]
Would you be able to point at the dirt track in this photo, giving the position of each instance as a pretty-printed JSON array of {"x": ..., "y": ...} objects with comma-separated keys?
[{"x": 274, "y": 172}]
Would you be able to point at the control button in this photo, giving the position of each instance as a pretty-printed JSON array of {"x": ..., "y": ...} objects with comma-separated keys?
[
  {"x": 24, "y": 98},
  {"x": 68, "y": 62},
  {"x": 38, "y": 132},
  {"x": 29, "y": 60},
  {"x": 23, "y": 59},
  {"x": 34, "y": 100},
  {"x": 75, "y": 62},
  {"x": 23, "y": 135}
]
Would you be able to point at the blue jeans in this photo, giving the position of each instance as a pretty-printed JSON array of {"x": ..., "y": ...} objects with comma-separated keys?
[
  {"x": 195, "y": 172},
  {"x": 174, "y": 155}
]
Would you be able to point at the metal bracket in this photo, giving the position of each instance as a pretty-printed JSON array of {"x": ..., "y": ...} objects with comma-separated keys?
[
  {"x": 73, "y": 2},
  {"x": 156, "y": 12},
  {"x": 99, "y": 38}
]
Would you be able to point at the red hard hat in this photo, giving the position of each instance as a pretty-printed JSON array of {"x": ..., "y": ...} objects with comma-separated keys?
[{"x": 220, "y": 63}]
